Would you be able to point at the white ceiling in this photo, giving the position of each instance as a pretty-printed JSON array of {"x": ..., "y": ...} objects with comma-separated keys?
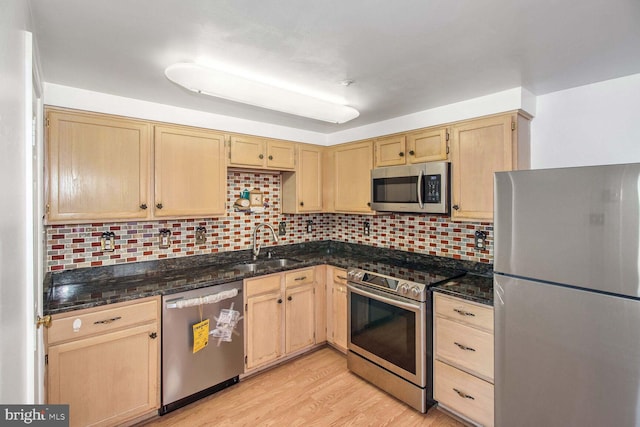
[{"x": 404, "y": 55}]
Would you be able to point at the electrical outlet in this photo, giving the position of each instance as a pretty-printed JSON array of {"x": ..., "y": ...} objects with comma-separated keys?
[
  {"x": 282, "y": 229},
  {"x": 201, "y": 235},
  {"x": 367, "y": 228},
  {"x": 480, "y": 240},
  {"x": 309, "y": 226}
]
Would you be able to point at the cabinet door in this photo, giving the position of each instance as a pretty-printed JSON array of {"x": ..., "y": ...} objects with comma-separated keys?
[
  {"x": 190, "y": 172},
  {"x": 310, "y": 179},
  {"x": 479, "y": 148},
  {"x": 300, "y": 318},
  {"x": 264, "y": 328},
  {"x": 352, "y": 177},
  {"x": 108, "y": 378},
  {"x": 98, "y": 168},
  {"x": 281, "y": 155},
  {"x": 391, "y": 150},
  {"x": 427, "y": 145},
  {"x": 246, "y": 151}
]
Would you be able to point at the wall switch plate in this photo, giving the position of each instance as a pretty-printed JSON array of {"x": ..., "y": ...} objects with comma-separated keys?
[
  {"x": 165, "y": 238},
  {"x": 309, "y": 226},
  {"x": 480, "y": 240},
  {"x": 282, "y": 228}
]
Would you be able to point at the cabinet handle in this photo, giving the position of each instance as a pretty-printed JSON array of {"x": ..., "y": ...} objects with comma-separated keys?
[
  {"x": 411, "y": 153},
  {"x": 401, "y": 154},
  {"x": 300, "y": 278},
  {"x": 143, "y": 206},
  {"x": 107, "y": 321},
  {"x": 341, "y": 277},
  {"x": 289, "y": 298},
  {"x": 461, "y": 312},
  {"x": 261, "y": 156},
  {"x": 279, "y": 300},
  {"x": 270, "y": 157},
  {"x": 153, "y": 335},
  {"x": 464, "y": 347},
  {"x": 159, "y": 206},
  {"x": 463, "y": 395},
  {"x": 456, "y": 207}
]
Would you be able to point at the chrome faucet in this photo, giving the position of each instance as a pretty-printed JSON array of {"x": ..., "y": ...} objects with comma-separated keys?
[{"x": 256, "y": 245}]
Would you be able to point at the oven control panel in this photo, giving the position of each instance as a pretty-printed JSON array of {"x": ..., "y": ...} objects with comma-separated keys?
[{"x": 407, "y": 289}]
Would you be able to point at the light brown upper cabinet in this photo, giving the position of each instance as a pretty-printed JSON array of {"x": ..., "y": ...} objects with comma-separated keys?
[
  {"x": 424, "y": 145},
  {"x": 260, "y": 153},
  {"x": 302, "y": 189},
  {"x": 478, "y": 149},
  {"x": 97, "y": 168},
  {"x": 190, "y": 172},
  {"x": 349, "y": 175}
]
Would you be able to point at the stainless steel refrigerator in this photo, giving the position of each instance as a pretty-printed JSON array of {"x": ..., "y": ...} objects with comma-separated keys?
[{"x": 567, "y": 297}]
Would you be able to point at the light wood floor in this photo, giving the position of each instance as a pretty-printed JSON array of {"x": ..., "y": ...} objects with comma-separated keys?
[{"x": 313, "y": 390}]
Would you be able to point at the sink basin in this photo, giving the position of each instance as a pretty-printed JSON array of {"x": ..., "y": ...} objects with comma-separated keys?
[
  {"x": 278, "y": 262},
  {"x": 252, "y": 267}
]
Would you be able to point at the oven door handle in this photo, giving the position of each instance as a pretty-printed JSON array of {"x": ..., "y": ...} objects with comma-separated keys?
[
  {"x": 420, "y": 202},
  {"x": 370, "y": 293}
]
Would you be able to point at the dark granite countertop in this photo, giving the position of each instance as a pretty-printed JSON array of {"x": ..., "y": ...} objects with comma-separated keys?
[
  {"x": 90, "y": 287},
  {"x": 472, "y": 287}
]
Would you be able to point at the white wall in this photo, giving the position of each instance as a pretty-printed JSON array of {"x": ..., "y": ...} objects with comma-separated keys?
[
  {"x": 16, "y": 351},
  {"x": 595, "y": 124}
]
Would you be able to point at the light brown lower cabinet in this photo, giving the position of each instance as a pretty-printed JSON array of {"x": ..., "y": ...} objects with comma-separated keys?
[
  {"x": 463, "y": 353},
  {"x": 104, "y": 362},
  {"x": 337, "y": 307},
  {"x": 281, "y": 316}
]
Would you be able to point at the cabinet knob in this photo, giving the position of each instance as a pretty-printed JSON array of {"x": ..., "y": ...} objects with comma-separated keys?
[
  {"x": 301, "y": 203},
  {"x": 401, "y": 154},
  {"x": 369, "y": 204},
  {"x": 289, "y": 298},
  {"x": 153, "y": 335},
  {"x": 270, "y": 157},
  {"x": 411, "y": 153},
  {"x": 279, "y": 300},
  {"x": 159, "y": 206},
  {"x": 143, "y": 206},
  {"x": 456, "y": 207},
  {"x": 261, "y": 156}
]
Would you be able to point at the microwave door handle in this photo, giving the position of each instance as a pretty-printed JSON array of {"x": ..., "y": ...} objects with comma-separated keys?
[{"x": 419, "y": 190}]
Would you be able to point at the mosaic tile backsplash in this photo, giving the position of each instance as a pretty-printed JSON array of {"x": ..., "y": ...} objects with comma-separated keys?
[{"x": 78, "y": 246}]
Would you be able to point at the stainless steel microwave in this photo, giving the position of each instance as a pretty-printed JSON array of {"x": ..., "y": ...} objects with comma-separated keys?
[{"x": 422, "y": 187}]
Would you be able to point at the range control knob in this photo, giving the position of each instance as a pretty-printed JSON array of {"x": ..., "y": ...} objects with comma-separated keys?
[
  {"x": 359, "y": 275},
  {"x": 415, "y": 291},
  {"x": 403, "y": 288}
]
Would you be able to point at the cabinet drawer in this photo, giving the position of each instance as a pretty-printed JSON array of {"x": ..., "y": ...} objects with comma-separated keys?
[
  {"x": 299, "y": 277},
  {"x": 468, "y": 348},
  {"x": 340, "y": 276},
  {"x": 263, "y": 284},
  {"x": 83, "y": 323},
  {"x": 463, "y": 311},
  {"x": 463, "y": 393}
]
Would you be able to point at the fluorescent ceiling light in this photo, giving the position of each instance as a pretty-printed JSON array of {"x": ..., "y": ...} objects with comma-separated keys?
[{"x": 221, "y": 84}]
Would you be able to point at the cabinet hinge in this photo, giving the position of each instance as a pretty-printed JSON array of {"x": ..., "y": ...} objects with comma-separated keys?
[
  {"x": 447, "y": 136},
  {"x": 246, "y": 308},
  {"x": 245, "y": 360},
  {"x": 513, "y": 125},
  {"x": 47, "y": 122},
  {"x": 447, "y": 148},
  {"x": 46, "y": 359},
  {"x": 47, "y": 209}
]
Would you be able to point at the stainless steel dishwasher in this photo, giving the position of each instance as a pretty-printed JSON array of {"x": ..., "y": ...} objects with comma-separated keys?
[{"x": 200, "y": 357}]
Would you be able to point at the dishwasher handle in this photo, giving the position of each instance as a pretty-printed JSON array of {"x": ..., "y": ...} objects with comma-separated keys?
[{"x": 207, "y": 299}]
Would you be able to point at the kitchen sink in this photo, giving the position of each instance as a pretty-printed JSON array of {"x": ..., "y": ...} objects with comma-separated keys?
[{"x": 251, "y": 267}]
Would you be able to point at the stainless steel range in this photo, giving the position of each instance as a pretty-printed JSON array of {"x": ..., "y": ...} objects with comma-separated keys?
[{"x": 390, "y": 331}]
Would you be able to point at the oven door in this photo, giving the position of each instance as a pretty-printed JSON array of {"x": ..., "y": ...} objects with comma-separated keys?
[{"x": 389, "y": 331}]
